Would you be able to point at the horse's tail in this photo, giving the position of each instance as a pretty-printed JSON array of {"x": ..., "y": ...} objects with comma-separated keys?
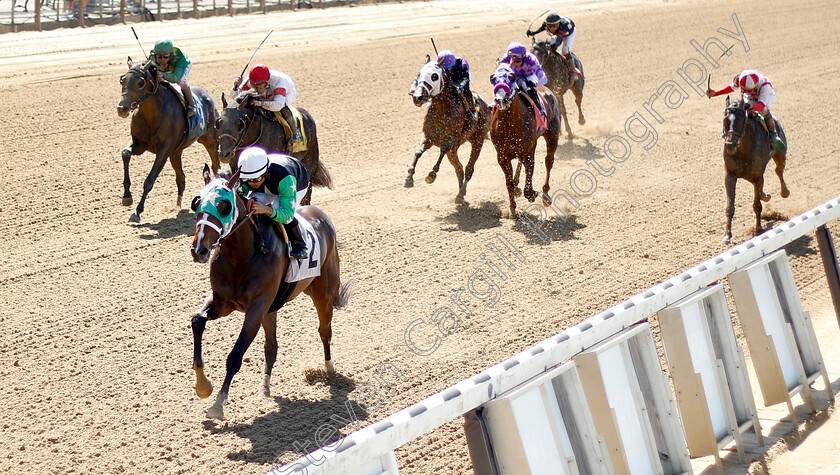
[
  {"x": 321, "y": 176},
  {"x": 344, "y": 292}
]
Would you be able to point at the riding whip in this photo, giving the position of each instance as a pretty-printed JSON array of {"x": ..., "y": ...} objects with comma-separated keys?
[
  {"x": 254, "y": 54},
  {"x": 535, "y": 19},
  {"x": 141, "y": 45},
  {"x": 433, "y": 46},
  {"x": 709, "y": 82}
]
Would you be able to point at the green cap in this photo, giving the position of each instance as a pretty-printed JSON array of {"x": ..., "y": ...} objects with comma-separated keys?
[{"x": 163, "y": 47}]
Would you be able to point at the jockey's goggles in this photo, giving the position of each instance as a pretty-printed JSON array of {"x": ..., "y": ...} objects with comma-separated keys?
[
  {"x": 164, "y": 55},
  {"x": 516, "y": 57}
]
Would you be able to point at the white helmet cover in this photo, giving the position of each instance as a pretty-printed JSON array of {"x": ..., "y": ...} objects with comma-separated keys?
[{"x": 253, "y": 163}]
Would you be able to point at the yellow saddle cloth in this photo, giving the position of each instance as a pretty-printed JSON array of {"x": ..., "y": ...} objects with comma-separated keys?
[{"x": 293, "y": 146}]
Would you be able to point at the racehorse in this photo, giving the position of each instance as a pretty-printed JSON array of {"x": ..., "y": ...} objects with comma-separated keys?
[
  {"x": 560, "y": 79},
  {"x": 160, "y": 126},
  {"x": 746, "y": 153},
  {"x": 514, "y": 132},
  {"x": 241, "y": 125},
  {"x": 246, "y": 272},
  {"x": 447, "y": 125}
]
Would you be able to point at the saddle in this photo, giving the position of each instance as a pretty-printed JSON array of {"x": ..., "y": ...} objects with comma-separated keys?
[
  {"x": 293, "y": 147},
  {"x": 196, "y": 125}
]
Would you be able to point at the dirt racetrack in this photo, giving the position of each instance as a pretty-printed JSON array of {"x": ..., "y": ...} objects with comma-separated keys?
[{"x": 97, "y": 349}]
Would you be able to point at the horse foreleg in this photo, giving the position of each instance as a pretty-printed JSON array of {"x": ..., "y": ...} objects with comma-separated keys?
[
  {"x": 210, "y": 142},
  {"x": 180, "y": 179},
  {"x": 160, "y": 160},
  {"x": 209, "y": 311},
  {"x": 444, "y": 149},
  {"x": 475, "y": 150},
  {"x": 426, "y": 145},
  {"x": 269, "y": 324},
  {"x": 551, "y": 139},
  {"x": 507, "y": 169},
  {"x": 730, "y": 206},
  {"x": 779, "y": 158},
  {"x": 759, "y": 197},
  {"x": 253, "y": 318},
  {"x": 528, "y": 188},
  {"x": 133, "y": 148}
]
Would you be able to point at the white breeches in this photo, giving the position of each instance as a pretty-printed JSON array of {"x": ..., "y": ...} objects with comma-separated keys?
[{"x": 568, "y": 42}]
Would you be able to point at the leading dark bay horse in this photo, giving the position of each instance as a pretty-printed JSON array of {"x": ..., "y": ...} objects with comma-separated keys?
[
  {"x": 242, "y": 125},
  {"x": 560, "y": 79},
  {"x": 159, "y": 126},
  {"x": 746, "y": 153},
  {"x": 514, "y": 132},
  {"x": 246, "y": 273},
  {"x": 447, "y": 125}
]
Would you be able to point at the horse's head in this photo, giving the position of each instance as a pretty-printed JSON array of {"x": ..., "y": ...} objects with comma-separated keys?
[
  {"x": 427, "y": 84},
  {"x": 540, "y": 49},
  {"x": 504, "y": 86},
  {"x": 138, "y": 84},
  {"x": 232, "y": 125},
  {"x": 216, "y": 213},
  {"x": 734, "y": 124}
]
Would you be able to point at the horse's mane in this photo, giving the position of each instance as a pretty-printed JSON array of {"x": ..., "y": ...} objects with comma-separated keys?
[{"x": 735, "y": 105}]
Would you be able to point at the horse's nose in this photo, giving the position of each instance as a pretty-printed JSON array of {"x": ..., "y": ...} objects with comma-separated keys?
[
  {"x": 200, "y": 255},
  {"x": 122, "y": 111}
]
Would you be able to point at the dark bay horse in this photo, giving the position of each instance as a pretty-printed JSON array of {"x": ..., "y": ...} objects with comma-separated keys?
[
  {"x": 447, "y": 126},
  {"x": 560, "y": 79},
  {"x": 159, "y": 126},
  {"x": 245, "y": 274},
  {"x": 514, "y": 132},
  {"x": 746, "y": 153},
  {"x": 241, "y": 125}
]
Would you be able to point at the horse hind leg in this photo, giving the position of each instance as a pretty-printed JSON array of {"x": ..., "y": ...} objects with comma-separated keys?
[
  {"x": 426, "y": 145},
  {"x": 779, "y": 157},
  {"x": 577, "y": 90},
  {"x": 459, "y": 172},
  {"x": 475, "y": 150},
  {"x": 562, "y": 106}
]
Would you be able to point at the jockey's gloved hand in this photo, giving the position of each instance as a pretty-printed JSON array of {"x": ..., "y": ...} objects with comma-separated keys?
[
  {"x": 529, "y": 33},
  {"x": 530, "y": 84}
]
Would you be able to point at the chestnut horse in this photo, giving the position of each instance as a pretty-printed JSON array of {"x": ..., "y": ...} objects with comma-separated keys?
[
  {"x": 746, "y": 152},
  {"x": 514, "y": 132},
  {"x": 560, "y": 79},
  {"x": 241, "y": 125},
  {"x": 447, "y": 125},
  {"x": 159, "y": 126},
  {"x": 247, "y": 274}
]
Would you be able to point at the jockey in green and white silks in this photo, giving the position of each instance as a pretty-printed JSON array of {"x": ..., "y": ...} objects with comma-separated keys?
[
  {"x": 277, "y": 183},
  {"x": 174, "y": 66}
]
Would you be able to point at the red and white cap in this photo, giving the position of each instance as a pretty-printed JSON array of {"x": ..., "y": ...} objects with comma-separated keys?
[
  {"x": 259, "y": 74},
  {"x": 748, "y": 80}
]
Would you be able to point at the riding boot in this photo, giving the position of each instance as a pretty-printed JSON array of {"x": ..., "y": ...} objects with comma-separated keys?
[
  {"x": 297, "y": 246},
  {"x": 188, "y": 98},
  {"x": 775, "y": 141},
  {"x": 470, "y": 100},
  {"x": 287, "y": 114},
  {"x": 532, "y": 93},
  {"x": 573, "y": 70}
]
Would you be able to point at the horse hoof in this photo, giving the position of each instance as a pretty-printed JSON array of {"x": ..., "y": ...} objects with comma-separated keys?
[
  {"x": 727, "y": 239},
  {"x": 134, "y": 218},
  {"x": 216, "y": 413},
  {"x": 178, "y": 202},
  {"x": 431, "y": 178},
  {"x": 459, "y": 199},
  {"x": 329, "y": 366},
  {"x": 127, "y": 201},
  {"x": 517, "y": 192},
  {"x": 785, "y": 193},
  {"x": 582, "y": 121},
  {"x": 409, "y": 183},
  {"x": 204, "y": 390},
  {"x": 546, "y": 200},
  {"x": 266, "y": 384},
  {"x": 765, "y": 197}
]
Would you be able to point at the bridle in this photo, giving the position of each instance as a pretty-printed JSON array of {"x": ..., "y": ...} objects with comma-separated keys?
[
  {"x": 146, "y": 72},
  {"x": 247, "y": 121},
  {"x": 730, "y": 136},
  {"x": 203, "y": 221}
]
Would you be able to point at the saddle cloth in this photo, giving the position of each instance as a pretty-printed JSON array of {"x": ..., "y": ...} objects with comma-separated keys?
[
  {"x": 197, "y": 124},
  {"x": 293, "y": 147},
  {"x": 300, "y": 269},
  {"x": 538, "y": 117}
]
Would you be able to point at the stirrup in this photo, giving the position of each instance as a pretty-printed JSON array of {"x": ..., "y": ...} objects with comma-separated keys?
[
  {"x": 298, "y": 253},
  {"x": 191, "y": 111}
]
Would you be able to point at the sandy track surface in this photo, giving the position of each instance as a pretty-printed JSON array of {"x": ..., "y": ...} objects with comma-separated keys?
[{"x": 95, "y": 365}]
